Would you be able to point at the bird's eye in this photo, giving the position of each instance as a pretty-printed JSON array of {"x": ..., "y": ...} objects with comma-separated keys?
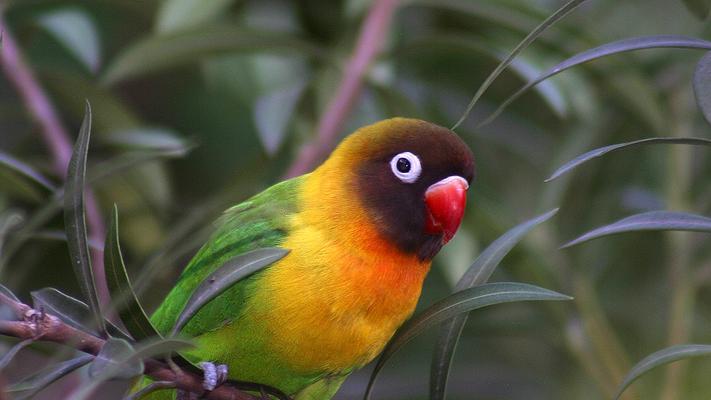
[{"x": 406, "y": 166}]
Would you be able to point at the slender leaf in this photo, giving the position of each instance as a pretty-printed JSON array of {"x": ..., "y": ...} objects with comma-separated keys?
[
  {"x": 272, "y": 114},
  {"x": 649, "y": 221},
  {"x": 75, "y": 222},
  {"x": 616, "y": 47},
  {"x": 530, "y": 38},
  {"x": 661, "y": 357},
  {"x": 25, "y": 170},
  {"x": 29, "y": 386},
  {"x": 115, "y": 360},
  {"x": 175, "y": 15},
  {"x": 700, "y": 8},
  {"x": 149, "y": 138},
  {"x": 702, "y": 85},
  {"x": 599, "y": 152},
  {"x": 156, "y": 53},
  {"x": 123, "y": 297},
  {"x": 7, "y": 292},
  {"x": 7, "y": 357},
  {"x": 456, "y": 304},
  {"x": 119, "y": 360},
  {"x": 224, "y": 277},
  {"x": 477, "y": 274},
  {"x": 75, "y": 30},
  {"x": 70, "y": 310}
]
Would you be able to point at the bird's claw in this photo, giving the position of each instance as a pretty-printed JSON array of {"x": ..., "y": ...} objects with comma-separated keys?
[{"x": 215, "y": 375}]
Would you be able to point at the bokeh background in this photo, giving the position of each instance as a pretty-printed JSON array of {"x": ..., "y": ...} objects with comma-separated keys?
[{"x": 199, "y": 104}]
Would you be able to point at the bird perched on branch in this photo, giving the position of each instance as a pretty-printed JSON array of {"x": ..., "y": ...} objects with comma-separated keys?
[{"x": 362, "y": 230}]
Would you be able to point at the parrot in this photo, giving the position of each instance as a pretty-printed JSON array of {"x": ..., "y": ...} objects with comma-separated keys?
[{"x": 361, "y": 229}]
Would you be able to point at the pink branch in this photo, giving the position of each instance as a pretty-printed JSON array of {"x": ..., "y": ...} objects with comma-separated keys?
[
  {"x": 56, "y": 138},
  {"x": 370, "y": 41}
]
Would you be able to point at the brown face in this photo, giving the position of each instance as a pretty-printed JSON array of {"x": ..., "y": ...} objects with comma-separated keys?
[{"x": 414, "y": 182}]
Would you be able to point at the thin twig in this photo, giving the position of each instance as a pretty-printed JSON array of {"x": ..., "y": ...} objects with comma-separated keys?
[
  {"x": 49, "y": 328},
  {"x": 55, "y": 136},
  {"x": 370, "y": 41},
  {"x": 159, "y": 385}
]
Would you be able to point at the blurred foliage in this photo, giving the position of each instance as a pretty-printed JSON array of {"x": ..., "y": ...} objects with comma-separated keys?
[{"x": 246, "y": 81}]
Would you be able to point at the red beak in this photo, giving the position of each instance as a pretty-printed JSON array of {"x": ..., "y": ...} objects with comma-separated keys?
[{"x": 446, "y": 201}]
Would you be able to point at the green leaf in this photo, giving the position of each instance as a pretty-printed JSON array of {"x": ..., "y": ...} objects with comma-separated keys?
[
  {"x": 29, "y": 386},
  {"x": 456, "y": 304},
  {"x": 149, "y": 139},
  {"x": 649, "y": 221},
  {"x": 123, "y": 297},
  {"x": 700, "y": 8},
  {"x": 661, "y": 357},
  {"x": 156, "y": 53},
  {"x": 115, "y": 361},
  {"x": 175, "y": 15},
  {"x": 75, "y": 30},
  {"x": 272, "y": 113},
  {"x": 5, "y": 360},
  {"x": 530, "y": 38},
  {"x": 119, "y": 360},
  {"x": 607, "y": 49},
  {"x": 702, "y": 85},
  {"x": 224, "y": 277},
  {"x": 599, "y": 152},
  {"x": 70, "y": 310},
  {"x": 477, "y": 274},
  {"x": 75, "y": 223},
  {"x": 25, "y": 170}
]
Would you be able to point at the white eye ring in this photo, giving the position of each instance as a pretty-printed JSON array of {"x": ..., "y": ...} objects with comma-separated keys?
[{"x": 407, "y": 175}]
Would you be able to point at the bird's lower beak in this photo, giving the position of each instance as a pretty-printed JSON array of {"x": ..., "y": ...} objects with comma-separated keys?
[{"x": 446, "y": 201}]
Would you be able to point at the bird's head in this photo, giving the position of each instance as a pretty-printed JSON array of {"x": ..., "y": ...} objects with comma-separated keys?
[{"x": 411, "y": 177}]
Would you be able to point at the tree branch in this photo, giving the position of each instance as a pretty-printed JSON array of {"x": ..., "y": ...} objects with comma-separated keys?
[
  {"x": 369, "y": 43},
  {"x": 55, "y": 136},
  {"x": 37, "y": 325}
]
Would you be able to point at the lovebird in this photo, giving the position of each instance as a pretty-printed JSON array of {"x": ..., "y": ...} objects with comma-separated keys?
[{"x": 361, "y": 230}]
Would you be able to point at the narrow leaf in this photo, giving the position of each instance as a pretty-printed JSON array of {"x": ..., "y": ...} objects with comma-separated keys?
[
  {"x": 119, "y": 360},
  {"x": 29, "y": 386},
  {"x": 702, "y": 85},
  {"x": 71, "y": 311},
  {"x": 477, "y": 274},
  {"x": 649, "y": 221},
  {"x": 592, "y": 154},
  {"x": 7, "y": 357},
  {"x": 272, "y": 114},
  {"x": 661, "y": 357},
  {"x": 620, "y": 46},
  {"x": 224, "y": 277},
  {"x": 123, "y": 297},
  {"x": 75, "y": 30},
  {"x": 530, "y": 38},
  {"x": 75, "y": 223},
  {"x": 25, "y": 170},
  {"x": 175, "y": 15},
  {"x": 184, "y": 47},
  {"x": 456, "y": 304},
  {"x": 115, "y": 360},
  {"x": 7, "y": 292}
]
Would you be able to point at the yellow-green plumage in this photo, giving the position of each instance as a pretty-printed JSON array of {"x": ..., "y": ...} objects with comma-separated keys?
[{"x": 330, "y": 306}]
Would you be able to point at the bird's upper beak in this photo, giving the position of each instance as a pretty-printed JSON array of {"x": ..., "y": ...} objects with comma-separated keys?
[{"x": 445, "y": 202}]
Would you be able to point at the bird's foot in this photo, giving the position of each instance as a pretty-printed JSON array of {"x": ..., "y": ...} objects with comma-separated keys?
[{"x": 215, "y": 375}]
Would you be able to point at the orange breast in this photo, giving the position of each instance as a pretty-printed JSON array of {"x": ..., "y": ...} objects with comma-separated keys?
[{"x": 341, "y": 293}]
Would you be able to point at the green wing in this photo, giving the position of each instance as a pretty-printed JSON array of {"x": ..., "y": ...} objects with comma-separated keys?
[{"x": 261, "y": 221}]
